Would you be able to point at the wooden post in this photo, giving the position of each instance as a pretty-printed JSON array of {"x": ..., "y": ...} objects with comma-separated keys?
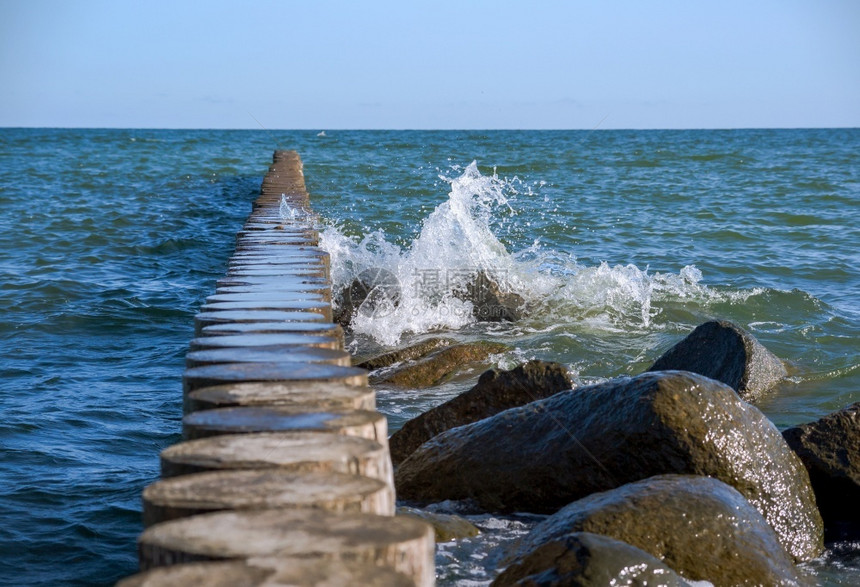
[
  {"x": 296, "y": 394},
  {"x": 285, "y": 471},
  {"x": 268, "y": 354},
  {"x": 292, "y": 451},
  {"x": 361, "y": 423},
  {"x": 404, "y": 544},
  {"x": 187, "y": 495},
  {"x": 266, "y": 572},
  {"x": 269, "y": 339},
  {"x": 222, "y": 373}
]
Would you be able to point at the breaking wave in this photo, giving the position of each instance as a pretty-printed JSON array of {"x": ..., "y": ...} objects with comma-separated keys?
[{"x": 458, "y": 241}]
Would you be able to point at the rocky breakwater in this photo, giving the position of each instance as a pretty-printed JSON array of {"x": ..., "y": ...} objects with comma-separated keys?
[
  {"x": 674, "y": 465},
  {"x": 830, "y": 450},
  {"x": 285, "y": 473}
]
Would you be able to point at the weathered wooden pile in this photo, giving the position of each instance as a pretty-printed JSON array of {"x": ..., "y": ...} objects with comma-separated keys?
[{"x": 284, "y": 474}]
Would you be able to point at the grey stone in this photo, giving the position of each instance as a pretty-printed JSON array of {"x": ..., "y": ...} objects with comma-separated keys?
[
  {"x": 544, "y": 455},
  {"x": 410, "y": 353},
  {"x": 698, "y": 526},
  {"x": 373, "y": 292},
  {"x": 830, "y": 451},
  {"x": 496, "y": 391},
  {"x": 438, "y": 365},
  {"x": 722, "y": 351},
  {"x": 490, "y": 303},
  {"x": 583, "y": 559}
]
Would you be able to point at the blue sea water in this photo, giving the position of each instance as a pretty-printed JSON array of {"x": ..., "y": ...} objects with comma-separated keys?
[{"x": 621, "y": 241}]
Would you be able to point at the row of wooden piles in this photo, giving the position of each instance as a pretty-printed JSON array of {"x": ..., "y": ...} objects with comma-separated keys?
[{"x": 284, "y": 474}]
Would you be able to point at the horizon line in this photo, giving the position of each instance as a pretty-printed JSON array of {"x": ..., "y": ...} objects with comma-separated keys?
[{"x": 418, "y": 129}]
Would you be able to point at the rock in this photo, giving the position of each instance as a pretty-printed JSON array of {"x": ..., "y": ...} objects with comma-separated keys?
[
  {"x": 698, "y": 526},
  {"x": 542, "y": 456},
  {"x": 582, "y": 559},
  {"x": 410, "y": 353},
  {"x": 343, "y": 310},
  {"x": 447, "y": 527},
  {"x": 495, "y": 392},
  {"x": 830, "y": 451},
  {"x": 435, "y": 367},
  {"x": 490, "y": 303},
  {"x": 375, "y": 292},
  {"x": 727, "y": 353}
]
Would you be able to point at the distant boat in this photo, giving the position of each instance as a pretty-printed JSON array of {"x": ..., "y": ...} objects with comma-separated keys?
[{"x": 321, "y": 133}]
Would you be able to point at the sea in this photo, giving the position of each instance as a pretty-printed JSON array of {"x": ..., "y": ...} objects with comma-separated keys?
[{"x": 621, "y": 243}]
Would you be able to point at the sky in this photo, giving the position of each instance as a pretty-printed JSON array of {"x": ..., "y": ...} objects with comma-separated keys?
[{"x": 413, "y": 64}]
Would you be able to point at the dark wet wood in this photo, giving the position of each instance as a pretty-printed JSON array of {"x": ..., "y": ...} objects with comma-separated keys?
[
  {"x": 282, "y": 339},
  {"x": 284, "y": 305},
  {"x": 264, "y": 297},
  {"x": 246, "y": 420},
  {"x": 270, "y": 354},
  {"x": 325, "y": 395},
  {"x": 321, "y": 328},
  {"x": 313, "y": 315},
  {"x": 222, "y": 373},
  {"x": 323, "y": 291}
]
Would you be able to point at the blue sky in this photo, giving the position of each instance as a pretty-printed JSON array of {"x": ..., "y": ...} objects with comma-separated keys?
[{"x": 323, "y": 64}]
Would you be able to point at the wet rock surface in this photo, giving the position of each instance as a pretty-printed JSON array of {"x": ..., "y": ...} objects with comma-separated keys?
[
  {"x": 496, "y": 391},
  {"x": 584, "y": 559},
  {"x": 438, "y": 365},
  {"x": 544, "y": 455},
  {"x": 374, "y": 292},
  {"x": 830, "y": 450},
  {"x": 490, "y": 303},
  {"x": 410, "y": 353},
  {"x": 698, "y": 526},
  {"x": 722, "y": 351}
]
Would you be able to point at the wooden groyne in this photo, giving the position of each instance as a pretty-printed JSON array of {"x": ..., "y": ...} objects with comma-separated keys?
[{"x": 284, "y": 475}]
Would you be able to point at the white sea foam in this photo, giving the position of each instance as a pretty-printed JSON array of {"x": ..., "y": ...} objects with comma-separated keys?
[
  {"x": 457, "y": 240},
  {"x": 294, "y": 215}
]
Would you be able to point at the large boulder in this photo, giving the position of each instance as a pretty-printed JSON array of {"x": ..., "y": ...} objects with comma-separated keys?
[
  {"x": 544, "y": 455},
  {"x": 830, "y": 451},
  {"x": 497, "y": 390},
  {"x": 583, "y": 559},
  {"x": 722, "y": 351},
  {"x": 698, "y": 526},
  {"x": 490, "y": 303},
  {"x": 440, "y": 364}
]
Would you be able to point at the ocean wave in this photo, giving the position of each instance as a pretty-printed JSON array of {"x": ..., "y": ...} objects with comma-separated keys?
[{"x": 458, "y": 240}]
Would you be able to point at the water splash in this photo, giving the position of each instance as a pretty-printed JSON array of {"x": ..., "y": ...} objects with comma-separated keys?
[
  {"x": 458, "y": 240},
  {"x": 292, "y": 214}
]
